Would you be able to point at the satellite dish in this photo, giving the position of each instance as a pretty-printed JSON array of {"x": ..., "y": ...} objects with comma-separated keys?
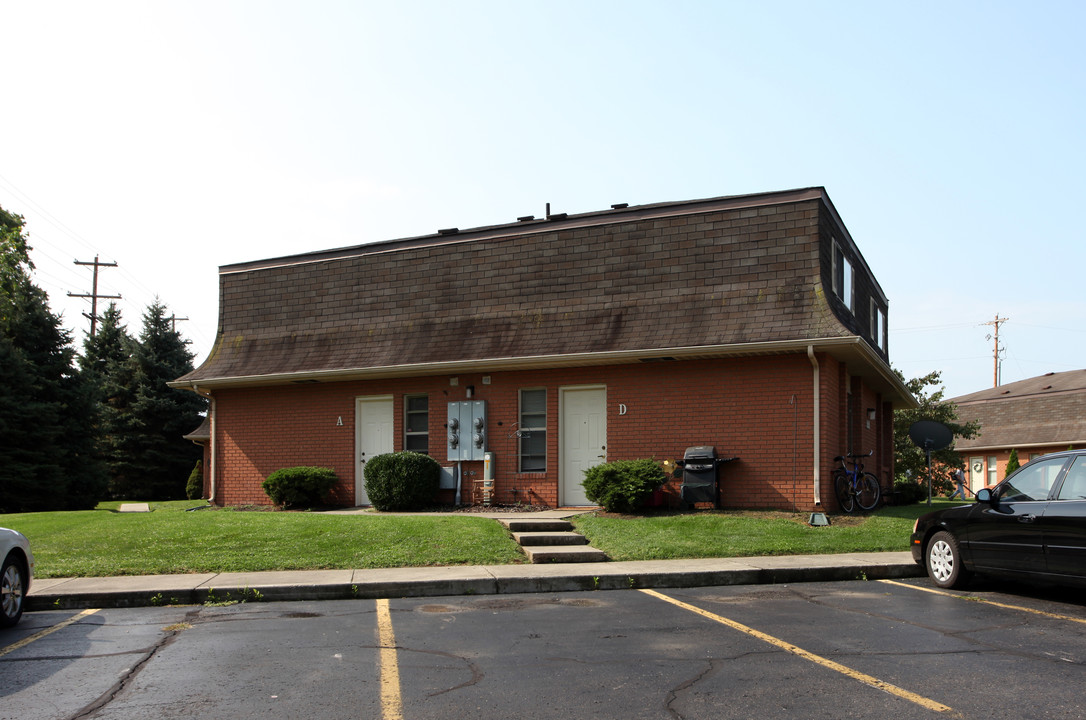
[{"x": 930, "y": 435}]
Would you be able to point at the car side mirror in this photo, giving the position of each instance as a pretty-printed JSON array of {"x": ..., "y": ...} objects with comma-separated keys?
[{"x": 984, "y": 495}]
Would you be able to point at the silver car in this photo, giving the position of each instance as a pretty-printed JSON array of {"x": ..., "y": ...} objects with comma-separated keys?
[{"x": 15, "y": 575}]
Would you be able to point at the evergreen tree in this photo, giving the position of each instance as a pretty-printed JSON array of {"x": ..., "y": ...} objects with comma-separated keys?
[
  {"x": 27, "y": 475},
  {"x": 1012, "y": 462},
  {"x": 107, "y": 350},
  {"x": 106, "y": 363},
  {"x": 47, "y": 416},
  {"x": 911, "y": 461},
  {"x": 158, "y": 459}
]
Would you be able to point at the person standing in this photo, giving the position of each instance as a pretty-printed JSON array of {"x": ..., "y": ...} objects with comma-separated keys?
[{"x": 959, "y": 479}]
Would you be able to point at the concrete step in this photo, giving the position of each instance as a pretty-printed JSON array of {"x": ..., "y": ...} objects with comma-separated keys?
[
  {"x": 549, "y": 538},
  {"x": 516, "y": 525},
  {"x": 564, "y": 554}
]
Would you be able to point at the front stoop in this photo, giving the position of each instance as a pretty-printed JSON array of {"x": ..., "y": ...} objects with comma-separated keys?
[
  {"x": 564, "y": 554},
  {"x": 552, "y": 541},
  {"x": 549, "y": 538},
  {"x": 516, "y": 525}
]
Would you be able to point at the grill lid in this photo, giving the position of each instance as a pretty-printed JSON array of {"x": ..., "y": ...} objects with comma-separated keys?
[{"x": 700, "y": 452}]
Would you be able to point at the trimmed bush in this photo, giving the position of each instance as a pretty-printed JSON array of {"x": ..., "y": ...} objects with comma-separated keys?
[
  {"x": 402, "y": 480},
  {"x": 194, "y": 488},
  {"x": 300, "y": 486},
  {"x": 908, "y": 492},
  {"x": 623, "y": 486}
]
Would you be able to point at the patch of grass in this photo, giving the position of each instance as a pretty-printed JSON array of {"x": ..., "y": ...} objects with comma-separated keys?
[
  {"x": 168, "y": 540},
  {"x": 725, "y": 533}
]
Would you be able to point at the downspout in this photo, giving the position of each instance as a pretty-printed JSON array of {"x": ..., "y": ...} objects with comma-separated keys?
[
  {"x": 211, "y": 443},
  {"x": 817, "y": 426}
]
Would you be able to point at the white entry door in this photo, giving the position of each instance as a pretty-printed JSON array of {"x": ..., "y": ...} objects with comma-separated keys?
[
  {"x": 373, "y": 422},
  {"x": 582, "y": 440},
  {"x": 976, "y": 474}
]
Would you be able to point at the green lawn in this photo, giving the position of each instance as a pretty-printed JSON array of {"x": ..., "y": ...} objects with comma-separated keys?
[
  {"x": 102, "y": 542},
  {"x": 748, "y": 534},
  {"x": 170, "y": 540}
]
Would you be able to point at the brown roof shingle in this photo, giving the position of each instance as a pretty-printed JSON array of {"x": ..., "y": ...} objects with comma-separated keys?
[
  {"x": 1048, "y": 410},
  {"x": 703, "y": 273}
]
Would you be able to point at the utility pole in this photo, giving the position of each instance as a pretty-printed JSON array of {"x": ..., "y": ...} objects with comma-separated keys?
[
  {"x": 93, "y": 317},
  {"x": 995, "y": 352},
  {"x": 173, "y": 319}
]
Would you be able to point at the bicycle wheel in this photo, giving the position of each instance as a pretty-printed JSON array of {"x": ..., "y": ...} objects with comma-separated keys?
[
  {"x": 842, "y": 486},
  {"x": 870, "y": 492}
]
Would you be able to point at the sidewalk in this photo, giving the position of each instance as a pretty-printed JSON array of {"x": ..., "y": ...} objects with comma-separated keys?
[{"x": 138, "y": 591}]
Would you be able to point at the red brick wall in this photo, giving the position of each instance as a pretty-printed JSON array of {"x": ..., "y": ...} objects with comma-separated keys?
[{"x": 759, "y": 409}]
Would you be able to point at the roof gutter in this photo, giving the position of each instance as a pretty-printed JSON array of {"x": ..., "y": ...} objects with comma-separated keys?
[
  {"x": 1057, "y": 446},
  {"x": 846, "y": 348}
]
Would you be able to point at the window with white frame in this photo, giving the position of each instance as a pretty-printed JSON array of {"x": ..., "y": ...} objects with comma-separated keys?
[
  {"x": 878, "y": 325},
  {"x": 532, "y": 430},
  {"x": 416, "y": 422},
  {"x": 993, "y": 466},
  {"x": 884, "y": 331},
  {"x": 842, "y": 276}
]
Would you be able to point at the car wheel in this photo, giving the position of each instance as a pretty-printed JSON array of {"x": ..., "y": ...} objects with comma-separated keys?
[
  {"x": 944, "y": 561},
  {"x": 12, "y": 591}
]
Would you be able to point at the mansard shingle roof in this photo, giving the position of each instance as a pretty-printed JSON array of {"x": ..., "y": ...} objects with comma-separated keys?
[{"x": 741, "y": 272}]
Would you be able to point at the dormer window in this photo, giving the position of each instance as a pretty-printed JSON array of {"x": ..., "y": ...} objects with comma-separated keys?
[
  {"x": 842, "y": 277},
  {"x": 878, "y": 325}
]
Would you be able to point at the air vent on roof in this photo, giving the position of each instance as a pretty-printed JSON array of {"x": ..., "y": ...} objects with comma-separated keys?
[
  {"x": 558, "y": 216},
  {"x": 1048, "y": 374},
  {"x": 448, "y": 231},
  {"x": 619, "y": 206},
  {"x": 1047, "y": 387},
  {"x": 525, "y": 218}
]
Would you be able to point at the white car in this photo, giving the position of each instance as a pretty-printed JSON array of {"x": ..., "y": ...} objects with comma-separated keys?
[{"x": 15, "y": 575}]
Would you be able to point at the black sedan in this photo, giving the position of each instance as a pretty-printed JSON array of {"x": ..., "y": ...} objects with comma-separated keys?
[{"x": 1031, "y": 526}]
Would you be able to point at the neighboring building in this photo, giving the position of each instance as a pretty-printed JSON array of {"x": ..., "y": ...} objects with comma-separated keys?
[
  {"x": 1035, "y": 416},
  {"x": 749, "y": 323},
  {"x": 202, "y": 436}
]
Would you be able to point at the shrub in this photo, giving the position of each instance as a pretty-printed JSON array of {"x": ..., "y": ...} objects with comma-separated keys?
[
  {"x": 908, "y": 492},
  {"x": 402, "y": 480},
  {"x": 194, "y": 488},
  {"x": 623, "y": 485},
  {"x": 299, "y": 486}
]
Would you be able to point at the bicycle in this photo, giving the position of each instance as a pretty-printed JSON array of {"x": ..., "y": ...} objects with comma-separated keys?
[{"x": 855, "y": 487}]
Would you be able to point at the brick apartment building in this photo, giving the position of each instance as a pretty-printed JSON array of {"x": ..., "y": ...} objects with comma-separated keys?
[
  {"x": 1039, "y": 415},
  {"x": 749, "y": 323}
]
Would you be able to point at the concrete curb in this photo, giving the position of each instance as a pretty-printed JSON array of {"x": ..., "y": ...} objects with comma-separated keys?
[{"x": 196, "y": 589}]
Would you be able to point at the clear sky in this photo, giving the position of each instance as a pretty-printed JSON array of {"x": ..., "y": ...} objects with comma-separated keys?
[{"x": 172, "y": 138}]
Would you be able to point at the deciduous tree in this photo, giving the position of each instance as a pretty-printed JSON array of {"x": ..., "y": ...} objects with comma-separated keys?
[{"x": 910, "y": 461}]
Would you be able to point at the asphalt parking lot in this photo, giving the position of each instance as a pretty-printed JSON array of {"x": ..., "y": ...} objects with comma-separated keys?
[{"x": 822, "y": 649}]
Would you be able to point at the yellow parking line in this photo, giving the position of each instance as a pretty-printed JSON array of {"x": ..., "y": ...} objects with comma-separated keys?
[
  {"x": 47, "y": 631},
  {"x": 391, "y": 701},
  {"x": 817, "y": 659},
  {"x": 974, "y": 598}
]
